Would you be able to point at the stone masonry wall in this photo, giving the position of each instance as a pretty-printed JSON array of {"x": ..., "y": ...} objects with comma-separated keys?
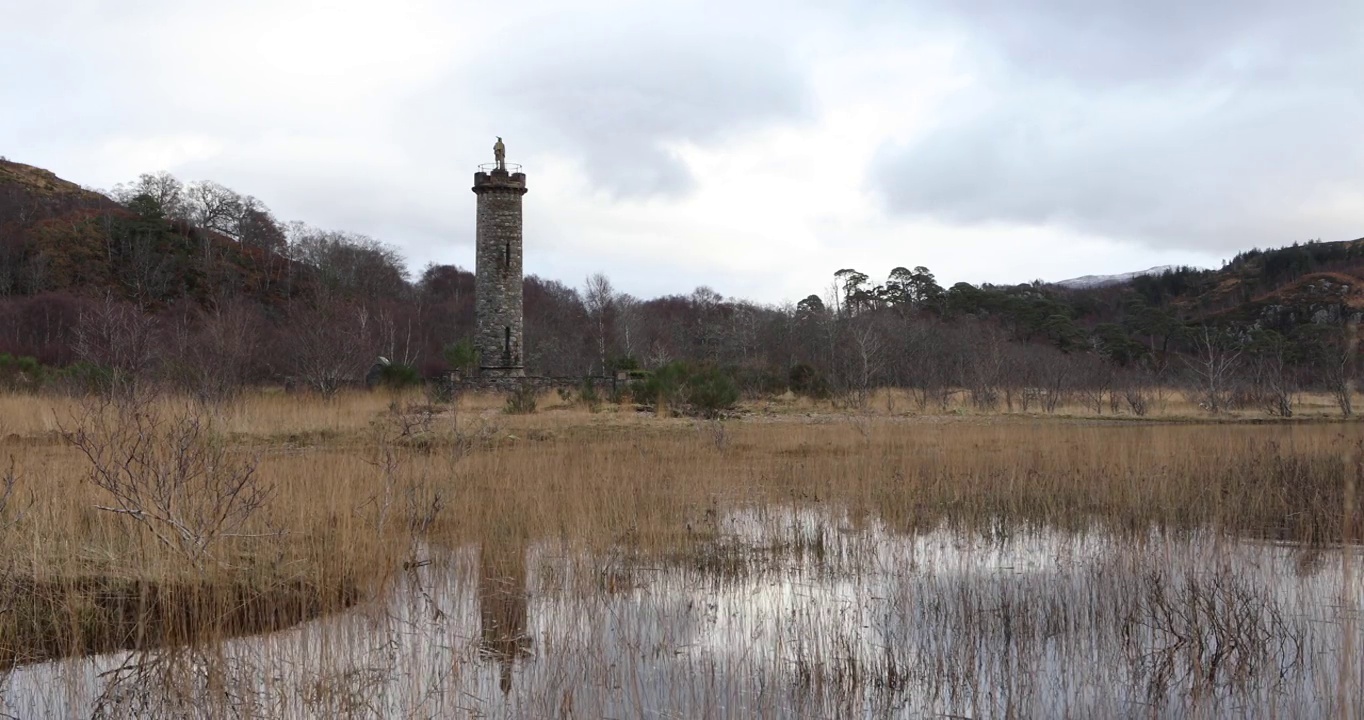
[
  {"x": 494, "y": 383},
  {"x": 497, "y": 303}
]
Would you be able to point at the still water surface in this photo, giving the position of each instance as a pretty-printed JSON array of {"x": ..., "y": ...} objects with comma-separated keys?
[{"x": 787, "y": 613}]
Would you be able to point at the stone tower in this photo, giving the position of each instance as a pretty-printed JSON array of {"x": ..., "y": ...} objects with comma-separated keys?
[{"x": 497, "y": 266}]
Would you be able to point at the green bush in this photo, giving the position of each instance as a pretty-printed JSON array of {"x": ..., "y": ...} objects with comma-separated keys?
[
  {"x": 20, "y": 364},
  {"x": 589, "y": 396},
  {"x": 84, "y": 378},
  {"x": 662, "y": 387},
  {"x": 398, "y": 376},
  {"x": 688, "y": 390},
  {"x": 710, "y": 392},
  {"x": 624, "y": 362},
  {"x": 806, "y": 380},
  {"x": 755, "y": 382},
  {"x": 461, "y": 355},
  {"x": 523, "y": 400},
  {"x": 22, "y": 372}
]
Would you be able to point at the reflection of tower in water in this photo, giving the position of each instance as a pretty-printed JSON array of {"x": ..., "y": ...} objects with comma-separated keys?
[{"x": 502, "y": 605}]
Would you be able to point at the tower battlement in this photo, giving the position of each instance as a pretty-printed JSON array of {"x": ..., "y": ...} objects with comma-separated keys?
[{"x": 500, "y": 179}]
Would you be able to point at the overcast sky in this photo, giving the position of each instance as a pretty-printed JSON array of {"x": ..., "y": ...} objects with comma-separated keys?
[{"x": 752, "y": 146}]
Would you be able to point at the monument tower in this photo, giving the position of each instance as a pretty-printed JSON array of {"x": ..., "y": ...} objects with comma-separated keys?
[{"x": 497, "y": 267}]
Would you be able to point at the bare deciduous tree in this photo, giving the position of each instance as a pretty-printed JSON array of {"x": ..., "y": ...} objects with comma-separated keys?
[
  {"x": 164, "y": 190},
  {"x": 118, "y": 338},
  {"x": 983, "y": 367},
  {"x": 331, "y": 346},
  {"x": 1055, "y": 378},
  {"x": 348, "y": 265},
  {"x": 599, "y": 298},
  {"x": 1272, "y": 375},
  {"x": 216, "y": 352},
  {"x": 629, "y": 322},
  {"x": 1341, "y": 368},
  {"x": 213, "y": 206},
  {"x": 1096, "y": 384},
  {"x": 1216, "y": 357},
  {"x": 254, "y": 226},
  {"x": 868, "y": 360}
]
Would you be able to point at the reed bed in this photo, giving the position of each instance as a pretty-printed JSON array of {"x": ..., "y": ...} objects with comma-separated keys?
[{"x": 463, "y": 552}]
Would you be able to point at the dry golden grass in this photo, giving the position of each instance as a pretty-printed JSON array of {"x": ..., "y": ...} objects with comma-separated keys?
[
  {"x": 273, "y": 415},
  {"x": 337, "y": 469}
]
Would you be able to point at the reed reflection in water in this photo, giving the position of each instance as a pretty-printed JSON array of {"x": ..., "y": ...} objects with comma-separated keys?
[{"x": 798, "y": 613}]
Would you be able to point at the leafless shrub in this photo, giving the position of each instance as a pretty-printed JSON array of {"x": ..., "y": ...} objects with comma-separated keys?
[
  {"x": 9, "y": 517},
  {"x": 168, "y": 473},
  {"x": 1138, "y": 398},
  {"x": 7, "y": 483},
  {"x": 410, "y": 419},
  {"x": 719, "y": 434},
  {"x": 442, "y": 391},
  {"x": 467, "y": 437},
  {"x": 402, "y": 427},
  {"x": 1207, "y": 632},
  {"x": 176, "y": 683}
]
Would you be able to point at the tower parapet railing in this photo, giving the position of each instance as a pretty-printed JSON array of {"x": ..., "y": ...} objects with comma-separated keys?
[{"x": 509, "y": 167}]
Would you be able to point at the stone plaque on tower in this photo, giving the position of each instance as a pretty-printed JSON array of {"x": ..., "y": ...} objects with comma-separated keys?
[{"x": 497, "y": 267}]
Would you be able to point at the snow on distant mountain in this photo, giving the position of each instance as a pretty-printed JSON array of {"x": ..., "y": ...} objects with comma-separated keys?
[{"x": 1093, "y": 281}]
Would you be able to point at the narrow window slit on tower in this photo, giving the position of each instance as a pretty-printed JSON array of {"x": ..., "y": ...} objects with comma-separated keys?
[
  {"x": 507, "y": 341},
  {"x": 506, "y": 255}
]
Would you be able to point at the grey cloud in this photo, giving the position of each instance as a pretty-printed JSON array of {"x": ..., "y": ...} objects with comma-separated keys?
[
  {"x": 617, "y": 98},
  {"x": 1225, "y": 129},
  {"x": 1099, "y": 42}
]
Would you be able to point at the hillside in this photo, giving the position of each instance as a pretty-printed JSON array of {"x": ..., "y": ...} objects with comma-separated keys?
[
  {"x": 201, "y": 286},
  {"x": 58, "y": 237},
  {"x": 25, "y": 189},
  {"x": 1320, "y": 282}
]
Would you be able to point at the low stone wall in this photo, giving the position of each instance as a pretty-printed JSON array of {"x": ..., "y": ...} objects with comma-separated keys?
[{"x": 540, "y": 383}]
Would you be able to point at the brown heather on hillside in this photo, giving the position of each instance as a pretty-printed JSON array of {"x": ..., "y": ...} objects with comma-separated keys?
[{"x": 37, "y": 182}]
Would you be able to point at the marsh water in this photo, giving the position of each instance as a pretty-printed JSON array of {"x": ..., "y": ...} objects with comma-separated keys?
[{"x": 784, "y": 612}]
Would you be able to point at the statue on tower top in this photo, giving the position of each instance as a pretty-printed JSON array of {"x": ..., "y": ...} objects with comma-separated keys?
[{"x": 500, "y": 154}]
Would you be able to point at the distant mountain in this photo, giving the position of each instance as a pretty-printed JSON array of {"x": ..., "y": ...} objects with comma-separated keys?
[{"x": 1094, "y": 281}]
